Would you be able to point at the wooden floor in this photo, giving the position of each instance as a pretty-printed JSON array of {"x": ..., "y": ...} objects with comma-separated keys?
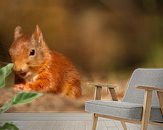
[{"x": 59, "y": 121}]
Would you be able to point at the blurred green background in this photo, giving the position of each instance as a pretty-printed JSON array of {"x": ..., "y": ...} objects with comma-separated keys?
[{"x": 99, "y": 36}]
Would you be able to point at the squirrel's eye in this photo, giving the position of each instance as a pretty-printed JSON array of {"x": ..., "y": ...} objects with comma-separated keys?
[{"x": 32, "y": 52}]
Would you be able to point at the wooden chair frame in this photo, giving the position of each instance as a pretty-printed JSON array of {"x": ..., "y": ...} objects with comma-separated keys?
[{"x": 146, "y": 106}]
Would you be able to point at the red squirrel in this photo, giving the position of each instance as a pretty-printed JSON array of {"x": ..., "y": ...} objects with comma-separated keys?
[{"x": 41, "y": 69}]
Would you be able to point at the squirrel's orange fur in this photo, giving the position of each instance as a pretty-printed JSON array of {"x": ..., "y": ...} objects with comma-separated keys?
[{"x": 41, "y": 69}]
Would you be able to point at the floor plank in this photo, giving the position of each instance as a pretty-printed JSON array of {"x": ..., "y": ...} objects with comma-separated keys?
[{"x": 58, "y": 121}]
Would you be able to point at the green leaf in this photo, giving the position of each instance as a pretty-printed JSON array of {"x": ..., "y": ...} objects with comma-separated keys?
[
  {"x": 25, "y": 97},
  {"x": 5, "y": 107},
  {"x": 9, "y": 126},
  {"x": 20, "y": 99},
  {"x": 4, "y": 72}
]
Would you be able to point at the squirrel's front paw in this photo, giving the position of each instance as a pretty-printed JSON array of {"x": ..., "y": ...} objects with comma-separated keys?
[
  {"x": 19, "y": 87},
  {"x": 26, "y": 88}
]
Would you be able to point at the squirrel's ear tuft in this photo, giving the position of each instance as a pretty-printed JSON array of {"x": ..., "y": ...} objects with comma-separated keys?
[
  {"x": 18, "y": 32},
  {"x": 37, "y": 35}
]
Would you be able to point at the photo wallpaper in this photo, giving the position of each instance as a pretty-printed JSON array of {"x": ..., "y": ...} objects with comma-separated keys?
[{"x": 55, "y": 48}]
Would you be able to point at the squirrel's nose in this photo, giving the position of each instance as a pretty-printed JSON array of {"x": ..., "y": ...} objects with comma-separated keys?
[
  {"x": 15, "y": 68},
  {"x": 19, "y": 70}
]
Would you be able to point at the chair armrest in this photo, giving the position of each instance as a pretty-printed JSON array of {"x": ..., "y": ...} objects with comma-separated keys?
[
  {"x": 148, "y": 88},
  {"x": 98, "y": 89},
  {"x": 148, "y": 98},
  {"x": 101, "y": 85}
]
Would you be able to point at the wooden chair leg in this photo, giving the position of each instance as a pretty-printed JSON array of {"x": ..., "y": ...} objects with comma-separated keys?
[
  {"x": 97, "y": 96},
  {"x": 146, "y": 110},
  {"x": 94, "y": 123},
  {"x": 124, "y": 125},
  {"x": 160, "y": 97}
]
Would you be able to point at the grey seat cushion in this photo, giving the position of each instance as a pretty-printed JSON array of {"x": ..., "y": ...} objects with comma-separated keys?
[{"x": 125, "y": 110}]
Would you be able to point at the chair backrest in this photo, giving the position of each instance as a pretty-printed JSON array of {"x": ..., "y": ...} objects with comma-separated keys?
[{"x": 143, "y": 77}]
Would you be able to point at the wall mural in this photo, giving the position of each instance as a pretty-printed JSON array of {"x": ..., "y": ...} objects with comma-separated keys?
[{"x": 54, "y": 48}]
